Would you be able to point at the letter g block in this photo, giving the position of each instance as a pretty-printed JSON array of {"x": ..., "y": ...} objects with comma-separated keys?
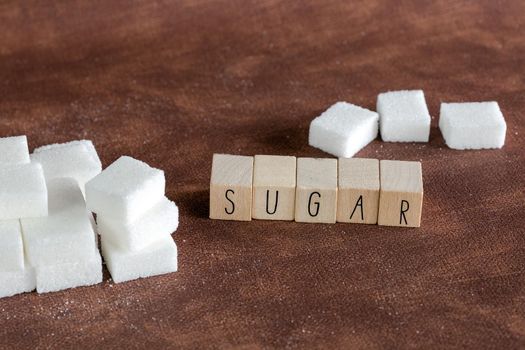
[{"x": 316, "y": 193}]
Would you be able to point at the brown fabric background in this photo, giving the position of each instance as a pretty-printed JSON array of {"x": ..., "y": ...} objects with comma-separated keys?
[{"x": 173, "y": 82}]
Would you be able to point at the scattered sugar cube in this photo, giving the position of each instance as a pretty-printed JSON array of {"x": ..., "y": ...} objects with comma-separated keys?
[
  {"x": 125, "y": 190},
  {"x": 474, "y": 125},
  {"x": 16, "y": 282},
  {"x": 14, "y": 150},
  {"x": 23, "y": 191},
  {"x": 59, "y": 276},
  {"x": 66, "y": 235},
  {"x": 403, "y": 116},
  {"x": 343, "y": 129},
  {"x": 159, "y": 258},
  {"x": 76, "y": 159},
  {"x": 11, "y": 246},
  {"x": 158, "y": 222}
]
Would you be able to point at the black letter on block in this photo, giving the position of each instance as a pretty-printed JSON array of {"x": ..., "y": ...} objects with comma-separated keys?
[
  {"x": 268, "y": 202},
  {"x": 229, "y": 200},
  {"x": 359, "y": 203},
  {"x": 403, "y": 211},
  {"x": 310, "y": 204}
]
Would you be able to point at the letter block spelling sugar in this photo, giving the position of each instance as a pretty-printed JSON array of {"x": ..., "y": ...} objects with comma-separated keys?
[
  {"x": 358, "y": 196},
  {"x": 316, "y": 192},
  {"x": 401, "y": 196},
  {"x": 274, "y": 187},
  {"x": 231, "y": 187}
]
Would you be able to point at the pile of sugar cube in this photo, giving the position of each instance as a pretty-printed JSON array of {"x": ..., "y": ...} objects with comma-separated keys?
[
  {"x": 48, "y": 238},
  {"x": 402, "y": 116},
  {"x": 135, "y": 219}
]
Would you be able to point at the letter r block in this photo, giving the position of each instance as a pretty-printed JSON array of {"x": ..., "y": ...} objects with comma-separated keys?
[
  {"x": 316, "y": 192},
  {"x": 401, "y": 195},
  {"x": 273, "y": 187},
  {"x": 231, "y": 187}
]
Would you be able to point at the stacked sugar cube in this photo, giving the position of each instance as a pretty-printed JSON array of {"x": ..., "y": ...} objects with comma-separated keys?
[
  {"x": 135, "y": 219},
  {"x": 20, "y": 181},
  {"x": 48, "y": 238}
]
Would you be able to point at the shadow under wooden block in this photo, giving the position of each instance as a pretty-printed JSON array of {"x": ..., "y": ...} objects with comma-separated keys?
[
  {"x": 231, "y": 187},
  {"x": 273, "y": 187},
  {"x": 401, "y": 195},
  {"x": 316, "y": 192},
  {"x": 358, "y": 192}
]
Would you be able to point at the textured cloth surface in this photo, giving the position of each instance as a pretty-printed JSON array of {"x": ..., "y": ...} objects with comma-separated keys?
[{"x": 172, "y": 82}]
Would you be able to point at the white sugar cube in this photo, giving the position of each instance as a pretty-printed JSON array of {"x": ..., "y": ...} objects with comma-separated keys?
[
  {"x": 11, "y": 246},
  {"x": 77, "y": 159},
  {"x": 59, "y": 276},
  {"x": 474, "y": 125},
  {"x": 159, "y": 258},
  {"x": 87, "y": 143},
  {"x": 403, "y": 116},
  {"x": 343, "y": 129},
  {"x": 66, "y": 235},
  {"x": 94, "y": 226},
  {"x": 158, "y": 222},
  {"x": 14, "y": 150},
  {"x": 125, "y": 190},
  {"x": 16, "y": 282},
  {"x": 23, "y": 191}
]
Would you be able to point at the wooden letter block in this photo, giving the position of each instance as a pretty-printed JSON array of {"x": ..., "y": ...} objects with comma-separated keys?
[
  {"x": 274, "y": 187},
  {"x": 231, "y": 187},
  {"x": 316, "y": 192},
  {"x": 358, "y": 192},
  {"x": 401, "y": 196}
]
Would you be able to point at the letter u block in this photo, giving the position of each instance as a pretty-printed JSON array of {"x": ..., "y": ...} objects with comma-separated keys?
[
  {"x": 316, "y": 192},
  {"x": 231, "y": 187},
  {"x": 401, "y": 195},
  {"x": 273, "y": 187}
]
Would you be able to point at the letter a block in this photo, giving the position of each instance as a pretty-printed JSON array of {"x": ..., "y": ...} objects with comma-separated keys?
[
  {"x": 316, "y": 192},
  {"x": 274, "y": 187},
  {"x": 358, "y": 196},
  {"x": 401, "y": 196},
  {"x": 231, "y": 187}
]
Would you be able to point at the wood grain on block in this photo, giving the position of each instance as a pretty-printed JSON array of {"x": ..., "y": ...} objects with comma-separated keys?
[
  {"x": 401, "y": 195},
  {"x": 316, "y": 192},
  {"x": 231, "y": 187},
  {"x": 274, "y": 187},
  {"x": 358, "y": 190}
]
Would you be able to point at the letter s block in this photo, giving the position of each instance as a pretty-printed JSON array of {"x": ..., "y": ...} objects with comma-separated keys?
[
  {"x": 231, "y": 187},
  {"x": 274, "y": 187},
  {"x": 316, "y": 192},
  {"x": 401, "y": 194}
]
